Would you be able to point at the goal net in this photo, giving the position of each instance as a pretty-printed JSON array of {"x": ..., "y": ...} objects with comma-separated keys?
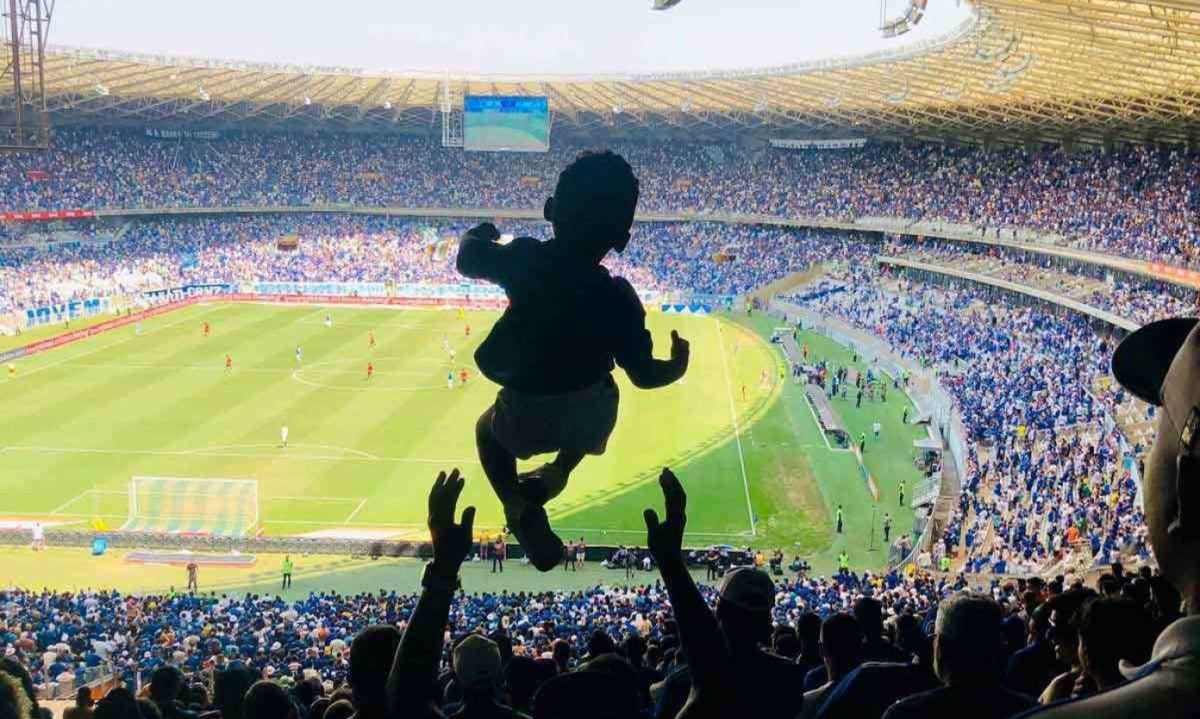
[{"x": 182, "y": 505}]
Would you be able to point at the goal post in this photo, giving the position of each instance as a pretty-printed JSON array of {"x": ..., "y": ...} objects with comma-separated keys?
[{"x": 192, "y": 505}]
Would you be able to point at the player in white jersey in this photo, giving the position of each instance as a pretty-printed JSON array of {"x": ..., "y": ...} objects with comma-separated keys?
[
  {"x": 283, "y": 436},
  {"x": 329, "y": 320},
  {"x": 450, "y": 380},
  {"x": 299, "y": 355}
]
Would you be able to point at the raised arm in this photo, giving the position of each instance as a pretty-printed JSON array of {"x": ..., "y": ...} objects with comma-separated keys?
[
  {"x": 480, "y": 257},
  {"x": 699, "y": 634},
  {"x": 648, "y": 373},
  {"x": 414, "y": 670}
]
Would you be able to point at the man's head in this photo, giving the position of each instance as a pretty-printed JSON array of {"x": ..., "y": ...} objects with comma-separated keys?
[
  {"x": 1160, "y": 364},
  {"x": 1112, "y": 629},
  {"x": 229, "y": 690},
  {"x": 477, "y": 663},
  {"x": 83, "y": 697},
  {"x": 594, "y": 203},
  {"x": 165, "y": 684},
  {"x": 371, "y": 655},
  {"x": 841, "y": 645},
  {"x": 869, "y": 613},
  {"x": 268, "y": 700},
  {"x": 968, "y": 643},
  {"x": 744, "y": 607}
]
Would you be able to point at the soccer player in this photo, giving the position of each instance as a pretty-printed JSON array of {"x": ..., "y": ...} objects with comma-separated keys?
[
  {"x": 205, "y": 329},
  {"x": 228, "y": 363},
  {"x": 283, "y": 435},
  {"x": 467, "y": 330},
  {"x": 745, "y": 396},
  {"x": 12, "y": 370},
  {"x": 329, "y": 320},
  {"x": 462, "y": 376},
  {"x": 299, "y": 355},
  {"x": 371, "y": 340},
  {"x": 452, "y": 354},
  {"x": 450, "y": 379},
  {"x": 370, "y": 370},
  {"x": 568, "y": 324}
]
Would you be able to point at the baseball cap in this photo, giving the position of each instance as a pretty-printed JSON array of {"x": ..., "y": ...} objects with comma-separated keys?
[
  {"x": 748, "y": 589},
  {"x": 1140, "y": 363},
  {"x": 477, "y": 661}
]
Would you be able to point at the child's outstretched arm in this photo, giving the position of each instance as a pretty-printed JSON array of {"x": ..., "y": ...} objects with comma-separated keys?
[
  {"x": 648, "y": 373},
  {"x": 479, "y": 255}
]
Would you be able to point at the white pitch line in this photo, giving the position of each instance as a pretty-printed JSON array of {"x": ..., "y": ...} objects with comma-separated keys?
[
  {"x": 737, "y": 432},
  {"x": 253, "y": 455},
  {"x": 357, "y": 509},
  {"x": 70, "y": 501},
  {"x": 181, "y": 320}
]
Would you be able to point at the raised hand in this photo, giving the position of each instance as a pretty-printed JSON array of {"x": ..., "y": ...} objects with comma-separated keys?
[
  {"x": 451, "y": 542},
  {"x": 665, "y": 538},
  {"x": 681, "y": 349},
  {"x": 485, "y": 231}
]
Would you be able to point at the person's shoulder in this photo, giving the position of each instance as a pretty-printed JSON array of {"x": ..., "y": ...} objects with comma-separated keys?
[{"x": 1159, "y": 695}]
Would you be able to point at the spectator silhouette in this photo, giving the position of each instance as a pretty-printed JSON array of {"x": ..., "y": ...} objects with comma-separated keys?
[
  {"x": 166, "y": 687},
  {"x": 968, "y": 649},
  {"x": 841, "y": 651},
  {"x": 728, "y": 665},
  {"x": 269, "y": 700},
  {"x": 371, "y": 655}
]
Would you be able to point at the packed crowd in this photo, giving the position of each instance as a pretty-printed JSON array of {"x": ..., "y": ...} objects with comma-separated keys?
[
  {"x": 1136, "y": 201},
  {"x": 1125, "y": 295},
  {"x": 1048, "y": 470},
  {"x": 706, "y": 258},
  {"x": 897, "y": 645}
]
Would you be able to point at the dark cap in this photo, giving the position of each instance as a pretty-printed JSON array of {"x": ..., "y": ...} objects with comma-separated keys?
[{"x": 1140, "y": 363}]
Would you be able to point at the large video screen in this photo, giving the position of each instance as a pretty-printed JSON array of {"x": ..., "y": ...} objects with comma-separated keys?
[{"x": 517, "y": 124}]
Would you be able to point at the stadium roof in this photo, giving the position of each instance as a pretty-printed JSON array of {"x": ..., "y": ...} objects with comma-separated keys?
[{"x": 1015, "y": 70}]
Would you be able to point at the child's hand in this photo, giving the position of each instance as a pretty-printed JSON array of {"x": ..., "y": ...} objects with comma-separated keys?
[
  {"x": 681, "y": 349},
  {"x": 665, "y": 538},
  {"x": 485, "y": 231}
]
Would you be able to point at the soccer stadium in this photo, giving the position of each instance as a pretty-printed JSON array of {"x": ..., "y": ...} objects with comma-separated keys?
[{"x": 846, "y": 372}]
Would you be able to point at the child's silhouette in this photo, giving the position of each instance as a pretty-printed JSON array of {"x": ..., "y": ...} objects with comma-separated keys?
[{"x": 553, "y": 350}]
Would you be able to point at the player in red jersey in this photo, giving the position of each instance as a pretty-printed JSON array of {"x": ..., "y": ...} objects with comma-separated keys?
[
  {"x": 228, "y": 363},
  {"x": 370, "y": 370},
  {"x": 371, "y": 339},
  {"x": 467, "y": 329},
  {"x": 462, "y": 376},
  {"x": 205, "y": 329}
]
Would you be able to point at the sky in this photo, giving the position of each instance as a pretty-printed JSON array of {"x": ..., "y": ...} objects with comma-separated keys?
[{"x": 527, "y": 37}]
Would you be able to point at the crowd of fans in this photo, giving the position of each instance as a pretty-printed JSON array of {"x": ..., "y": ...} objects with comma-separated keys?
[
  {"x": 1127, "y": 296},
  {"x": 845, "y": 646},
  {"x": 705, "y": 258},
  {"x": 1136, "y": 201},
  {"x": 1048, "y": 470}
]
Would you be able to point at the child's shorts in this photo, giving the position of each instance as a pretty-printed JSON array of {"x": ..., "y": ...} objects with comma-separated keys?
[{"x": 579, "y": 421}]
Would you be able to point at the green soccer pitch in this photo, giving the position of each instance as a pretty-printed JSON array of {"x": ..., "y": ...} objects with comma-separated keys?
[{"x": 78, "y": 422}]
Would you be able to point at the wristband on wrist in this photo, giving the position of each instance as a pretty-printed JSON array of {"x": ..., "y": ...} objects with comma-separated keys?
[{"x": 437, "y": 579}]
